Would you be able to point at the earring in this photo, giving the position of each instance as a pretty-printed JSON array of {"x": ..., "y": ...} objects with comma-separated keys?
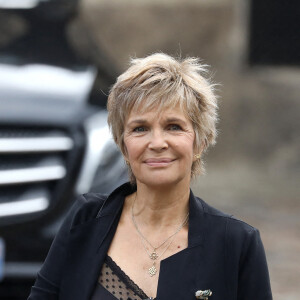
[
  {"x": 127, "y": 162},
  {"x": 197, "y": 156}
]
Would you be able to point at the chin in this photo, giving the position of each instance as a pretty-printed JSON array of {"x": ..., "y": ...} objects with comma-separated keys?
[{"x": 159, "y": 181}]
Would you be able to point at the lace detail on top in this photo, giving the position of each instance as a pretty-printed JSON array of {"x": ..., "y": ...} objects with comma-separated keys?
[{"x": 114, "y": 280}]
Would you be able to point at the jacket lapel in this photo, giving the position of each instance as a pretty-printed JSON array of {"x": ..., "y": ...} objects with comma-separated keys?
[{"x": 87, "y": 248}]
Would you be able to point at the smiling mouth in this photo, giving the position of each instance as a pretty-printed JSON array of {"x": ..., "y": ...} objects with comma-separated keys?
[{"x": 162, "y": 162}]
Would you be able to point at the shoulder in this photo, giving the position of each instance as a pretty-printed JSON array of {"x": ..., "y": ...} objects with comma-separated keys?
[
  {"x": 85, "y": 208},
  {"x": 90, "y": 206},
  {"x": 239, "y": 240},
  {"x": 237, "y": 231}
]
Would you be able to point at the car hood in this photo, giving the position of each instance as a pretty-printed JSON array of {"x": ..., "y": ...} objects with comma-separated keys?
[{"x": 42, "y": 92}]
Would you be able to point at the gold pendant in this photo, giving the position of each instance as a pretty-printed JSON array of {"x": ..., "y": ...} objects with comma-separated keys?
[
  {"x": 154, "y": 255},
  {"x": 152, "y": 271}
]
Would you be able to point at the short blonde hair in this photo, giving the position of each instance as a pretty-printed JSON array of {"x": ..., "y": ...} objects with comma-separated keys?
[{"x": 161, "y": 81}]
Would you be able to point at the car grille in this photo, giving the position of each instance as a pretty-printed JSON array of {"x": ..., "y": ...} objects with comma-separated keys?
[{"x": 32, "y": 163}]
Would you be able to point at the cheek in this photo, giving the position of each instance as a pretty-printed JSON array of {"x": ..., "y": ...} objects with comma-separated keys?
[
  {"x": 190, "y": 142},
  {"x": 132, "y": 148},
  {"x": 127, "y": 147},
  {"x": 190, "y": 148},
  {"x": 185, "y": 148},
  {"x": 129, "y": 150}
]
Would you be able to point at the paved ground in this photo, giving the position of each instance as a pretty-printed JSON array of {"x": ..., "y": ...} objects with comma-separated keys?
[{"x": 269, "y": 202}]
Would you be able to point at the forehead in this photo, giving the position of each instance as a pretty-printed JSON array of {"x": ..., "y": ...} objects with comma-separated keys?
[
  {"x": 158, "y": 113},
  {"x": 156, "y": 102}
]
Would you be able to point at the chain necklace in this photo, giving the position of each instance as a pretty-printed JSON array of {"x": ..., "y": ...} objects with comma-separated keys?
[{"x": 154, "y": 255}]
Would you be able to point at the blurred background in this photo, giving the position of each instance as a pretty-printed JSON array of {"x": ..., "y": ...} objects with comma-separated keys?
[{"x": 57, "y": 61}]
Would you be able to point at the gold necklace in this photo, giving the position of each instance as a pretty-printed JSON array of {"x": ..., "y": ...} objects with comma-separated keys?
[{"x": 154, "y": 255}]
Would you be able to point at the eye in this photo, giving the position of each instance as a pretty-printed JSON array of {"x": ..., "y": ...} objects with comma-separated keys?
[
  {"x": 174, "y": 127},
  {"x": 139, "y": 129}
]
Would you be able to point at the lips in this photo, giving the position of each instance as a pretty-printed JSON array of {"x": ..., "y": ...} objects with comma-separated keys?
[{"x": 158, "y": 162}]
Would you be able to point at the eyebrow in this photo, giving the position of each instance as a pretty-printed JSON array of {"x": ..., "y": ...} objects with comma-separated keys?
[
  {"x": 137, "y": 121},
  {"x": 176, "y": 120},
  {"x": 144, "y": 121}
]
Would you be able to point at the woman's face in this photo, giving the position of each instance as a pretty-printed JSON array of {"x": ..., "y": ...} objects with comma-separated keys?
[{"x": 160, "y": 146}]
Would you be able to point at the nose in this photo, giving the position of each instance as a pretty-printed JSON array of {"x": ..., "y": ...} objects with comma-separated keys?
[{"x": 158, "y": 141}]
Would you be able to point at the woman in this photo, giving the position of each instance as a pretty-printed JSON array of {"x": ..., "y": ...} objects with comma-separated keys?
[{"x": 152, "y": 238}]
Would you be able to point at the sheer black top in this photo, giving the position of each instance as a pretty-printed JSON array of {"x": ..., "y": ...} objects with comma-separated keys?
[{"x": 114, "y": 284}]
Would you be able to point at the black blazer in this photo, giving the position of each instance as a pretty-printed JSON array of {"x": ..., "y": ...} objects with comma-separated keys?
[{"x": 224, "y": 254}]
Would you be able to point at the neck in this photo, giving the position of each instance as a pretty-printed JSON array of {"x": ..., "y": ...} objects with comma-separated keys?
[{"x": 161, "y": 207}]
